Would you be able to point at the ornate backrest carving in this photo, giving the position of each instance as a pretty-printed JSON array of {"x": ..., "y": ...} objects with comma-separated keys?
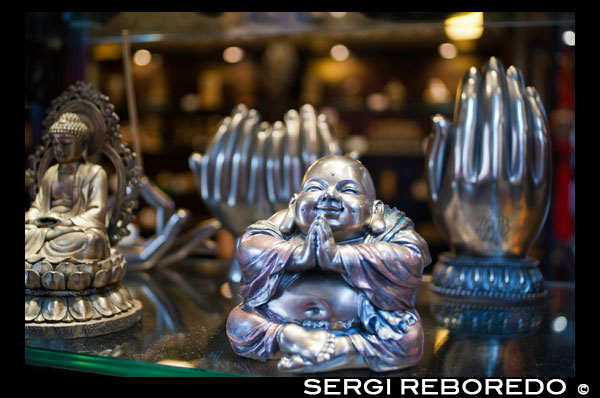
[{"x": 82, "y": 98}]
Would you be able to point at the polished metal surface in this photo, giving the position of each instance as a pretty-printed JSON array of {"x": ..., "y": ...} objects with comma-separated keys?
[
  {"x": 72, "y": 271},
  {"x": 251, "y": 168},
  {"x": 489, "y": 176},
  {"x": 329, "y": 283},
  {"x": 182, "y": 331},
  {"x": 497, "y": 278},
  {"x": 171, "y": 242},
  {"x": 489, "y": 169}
]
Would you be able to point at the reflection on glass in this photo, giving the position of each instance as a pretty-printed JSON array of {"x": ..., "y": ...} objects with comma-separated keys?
[{"x": 485, "y": 318}]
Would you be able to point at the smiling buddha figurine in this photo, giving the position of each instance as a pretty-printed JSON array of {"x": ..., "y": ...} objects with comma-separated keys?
[{"x": 330, "y": 282}]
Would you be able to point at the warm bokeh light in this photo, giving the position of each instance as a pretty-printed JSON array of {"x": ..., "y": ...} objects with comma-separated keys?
[
  {"x": 464, "y": 26},
  {"x": 436, "y": 92},
  {"x": 568, "y": 37},
  {"x": 338, "y": 15},
  {"x": 448, "y": 50},
  {"x": 106, "y": 52},
  {"x": 378, "y": 101},
  {"x": 339, "y": 52},
  {"x": 233, "y": 54},
  {"x": 142, "y": 57},
  {"x": 189, "y": 102},
  {"x": 157, "y": 61}
]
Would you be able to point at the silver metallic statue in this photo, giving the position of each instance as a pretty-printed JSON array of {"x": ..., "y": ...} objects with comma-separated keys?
[
  {"x": 72, "y": 274},
  {"x": 171, "y": 242},
  {"x": 252, "y": 168},
  {"x": 329, "y": 283},
  {"x": 489, "y": 181}
]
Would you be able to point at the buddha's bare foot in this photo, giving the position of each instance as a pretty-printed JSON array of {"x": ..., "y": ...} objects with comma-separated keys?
[
  {"x": 298, "y": 364},
  {"x": 293, "y": 362},
  {"x": 314, "y": 345}
]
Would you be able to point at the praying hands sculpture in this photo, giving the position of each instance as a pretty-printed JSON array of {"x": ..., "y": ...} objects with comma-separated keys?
[
  {"x": 329, "y": 283},
  {"x": 489, "y": 176}
]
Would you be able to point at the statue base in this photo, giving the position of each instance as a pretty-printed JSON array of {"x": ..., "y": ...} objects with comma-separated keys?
[
  {"x": 93, "y": 327},
  {"x": 485, "y": 318},
  {"x": 68, "y": 300},
  {"x": 489, "y": 278}
]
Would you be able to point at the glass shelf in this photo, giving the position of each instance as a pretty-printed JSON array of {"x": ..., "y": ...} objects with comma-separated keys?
[{"x": 185, "y": 307}]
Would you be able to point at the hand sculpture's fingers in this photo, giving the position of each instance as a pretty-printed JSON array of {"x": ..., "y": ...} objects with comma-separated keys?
[
  {"x": 223, "y": 154},
  {"x": 256, "y": 181},
  {"x": 493, "y": 126},
  {"x": 518, "y": 128},
  {"x": 224, "y": 161},
  {"x": 308, "y": 137},
  {"x": 464, "y": 150},
  {"x": 538, "y": 123},
  {"x": 292, "y": 170},
  {"x": 238, "y": 191},
  {"x": 208, "y": 161},
  {"x": 437, "y": 154},
  {"x": 274, "y": 173},
  {"x": 327, "y": 143}
]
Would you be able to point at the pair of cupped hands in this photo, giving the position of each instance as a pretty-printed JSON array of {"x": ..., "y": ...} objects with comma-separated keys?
[
  {"x": 316, "y": 249},
  {"x": 56, "y": 224}
]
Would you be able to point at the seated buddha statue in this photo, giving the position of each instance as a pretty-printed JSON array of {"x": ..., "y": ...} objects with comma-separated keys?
[
  {"x": 67, "y": 218},
  {"x": 329, "y": 283}
]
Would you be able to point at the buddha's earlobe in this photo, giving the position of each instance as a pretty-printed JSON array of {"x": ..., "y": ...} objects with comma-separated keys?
[
  {"x": 377, "y": 223},
  {"x": 287, "y": 224}
]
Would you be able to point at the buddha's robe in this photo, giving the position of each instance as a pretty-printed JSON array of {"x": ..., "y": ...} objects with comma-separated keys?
[
  {"x": 385, "y": 270},
  {"x": 86, "y": 239}
]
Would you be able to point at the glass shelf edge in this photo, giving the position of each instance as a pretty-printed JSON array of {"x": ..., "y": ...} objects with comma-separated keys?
[{"x": 112, "y": 366}]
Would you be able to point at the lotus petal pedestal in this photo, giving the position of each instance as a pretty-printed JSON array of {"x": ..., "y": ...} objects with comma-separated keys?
[{"x": 68, "y": 300}]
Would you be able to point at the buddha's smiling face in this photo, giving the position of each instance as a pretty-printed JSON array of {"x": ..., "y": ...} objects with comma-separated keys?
[{"x": 341, "y": 190}]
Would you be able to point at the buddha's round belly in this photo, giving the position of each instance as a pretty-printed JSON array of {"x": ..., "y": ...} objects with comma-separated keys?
[{"x": 317, "y": 296}]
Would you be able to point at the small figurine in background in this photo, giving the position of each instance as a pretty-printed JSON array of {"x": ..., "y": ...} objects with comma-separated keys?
[
  {"x": 330, "y": 282},
  {"x": 66, "y": 220}
]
